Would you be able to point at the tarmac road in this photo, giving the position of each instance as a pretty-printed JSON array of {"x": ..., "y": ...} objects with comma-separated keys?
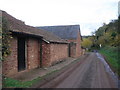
[{"x": 87, "y": 73}]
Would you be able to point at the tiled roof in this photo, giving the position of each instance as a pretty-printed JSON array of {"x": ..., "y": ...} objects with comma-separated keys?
[
  {"x": 64, "y": 31},
  {"x": 16, "y": 25}
]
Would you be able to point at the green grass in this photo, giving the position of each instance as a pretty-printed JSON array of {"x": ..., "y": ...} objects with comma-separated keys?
[
  {"x": 10, "y": 82},
  {"x": 111, "y": 54}
]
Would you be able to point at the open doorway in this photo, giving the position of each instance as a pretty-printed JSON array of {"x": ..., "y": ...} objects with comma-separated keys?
[{"x": 21, "y": 54}]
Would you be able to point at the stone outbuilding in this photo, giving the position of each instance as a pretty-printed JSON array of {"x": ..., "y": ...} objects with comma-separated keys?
[
  {"x": 31, "y": 47},
  {"x": 70, "y": 33}
]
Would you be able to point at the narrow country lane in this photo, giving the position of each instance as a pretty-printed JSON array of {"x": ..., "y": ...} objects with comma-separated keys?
[{"x": 87, "y": 73}]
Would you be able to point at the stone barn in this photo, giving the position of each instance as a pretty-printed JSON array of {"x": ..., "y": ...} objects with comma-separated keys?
[
  {"x": 31, "y": 47},
  {"x": 70, "y": 33}
]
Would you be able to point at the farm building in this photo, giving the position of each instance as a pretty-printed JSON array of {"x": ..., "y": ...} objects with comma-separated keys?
[
  {"x": 70, "y": 33},
  {"x": 31, "y": 47}
]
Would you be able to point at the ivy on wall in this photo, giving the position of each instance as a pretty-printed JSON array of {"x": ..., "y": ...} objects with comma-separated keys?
[{"x": 6, "y": 35}]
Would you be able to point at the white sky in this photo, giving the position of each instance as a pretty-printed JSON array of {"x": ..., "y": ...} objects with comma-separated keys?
[{"x": 89, "y": 14}]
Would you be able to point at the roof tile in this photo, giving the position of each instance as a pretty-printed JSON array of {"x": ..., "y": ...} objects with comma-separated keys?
[{"x": 19, "y": 26}]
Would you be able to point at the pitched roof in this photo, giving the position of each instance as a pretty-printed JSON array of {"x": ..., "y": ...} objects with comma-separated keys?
[
  {"x": 16, "y": 25},
  {"x": 64, "y": 31}
]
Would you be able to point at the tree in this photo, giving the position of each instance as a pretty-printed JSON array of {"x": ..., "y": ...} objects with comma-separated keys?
[
  {"x": 86, "y": 43},
  {"x": 108, "y": 34}
]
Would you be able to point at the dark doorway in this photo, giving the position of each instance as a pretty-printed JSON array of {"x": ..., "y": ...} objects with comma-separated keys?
[
  {"x": 69, "y": 50},
  {"x": 40, "y": 53},
  {"x": 21, "y": 54}
]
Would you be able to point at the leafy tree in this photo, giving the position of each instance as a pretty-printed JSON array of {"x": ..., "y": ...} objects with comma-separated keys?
[
  {"x": 108, "y": 34},
  {"x": 87, "y": 43}
]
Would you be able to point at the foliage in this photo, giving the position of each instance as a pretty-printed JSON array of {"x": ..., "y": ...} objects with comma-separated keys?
[
  {"x": 112, "y": 57},
  {"x": 86, "y": 43},
  {"x": 107, "y": 35},
  {"x": 5, "y": 38}
]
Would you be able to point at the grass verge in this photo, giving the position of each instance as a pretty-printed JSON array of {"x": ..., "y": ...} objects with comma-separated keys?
[
  {"x": 12, "y": 83},
  {"x": 112, "y": 56}
]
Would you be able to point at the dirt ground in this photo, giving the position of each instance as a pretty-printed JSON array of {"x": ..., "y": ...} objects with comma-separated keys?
[{"x": 89, "y": 72}]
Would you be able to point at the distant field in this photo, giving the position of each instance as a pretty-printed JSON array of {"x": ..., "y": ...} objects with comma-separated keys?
[{"x": 112, "y": 57}]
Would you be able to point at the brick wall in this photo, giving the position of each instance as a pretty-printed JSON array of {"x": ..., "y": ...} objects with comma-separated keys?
[
  {"x": 72, "y": 50},
  {"x": 9, "y": 65},
  {"x": 72, "y": 40},
  {"x": 75, "y": 50},
  {"x": 52, "y": 53},
  {"x": 78, "y": 45},
  {"x": 72, "y": 47},
  {"x": 58, "y": 52},
  {"x": 45, "y": 54},
  {"x": 33, "y": 53}
]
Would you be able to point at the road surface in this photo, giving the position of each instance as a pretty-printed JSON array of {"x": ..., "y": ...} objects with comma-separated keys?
[{"x": 89, "y": 72}]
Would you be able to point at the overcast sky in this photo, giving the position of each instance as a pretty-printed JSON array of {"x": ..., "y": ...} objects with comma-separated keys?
[{"x": 89, "y": 14}]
